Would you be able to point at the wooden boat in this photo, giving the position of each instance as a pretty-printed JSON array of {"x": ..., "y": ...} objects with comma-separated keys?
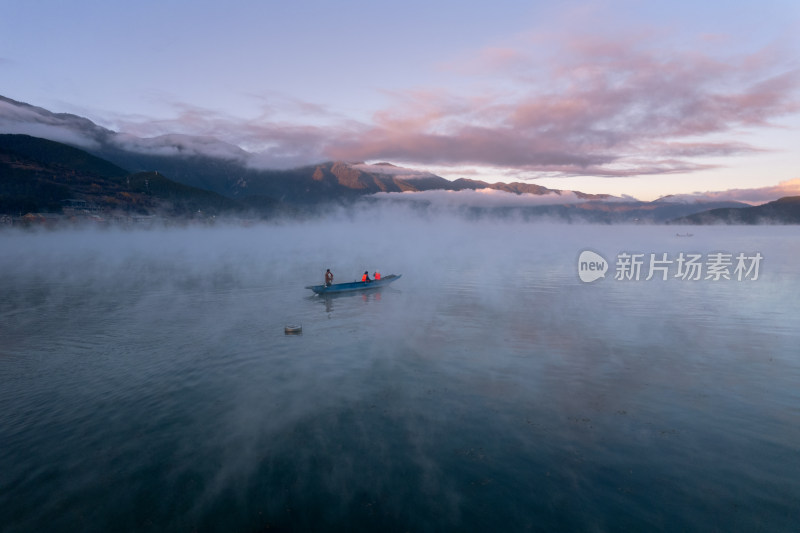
[{"x": 354, "y": 286}]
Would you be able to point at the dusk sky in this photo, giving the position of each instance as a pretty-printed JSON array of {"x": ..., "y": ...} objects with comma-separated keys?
[{"x": 645, "y": 98}]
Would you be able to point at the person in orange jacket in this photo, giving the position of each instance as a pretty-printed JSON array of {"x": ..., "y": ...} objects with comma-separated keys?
[
  {"x": 376, "y": 275},
  {"x": 365, "y": 277}
]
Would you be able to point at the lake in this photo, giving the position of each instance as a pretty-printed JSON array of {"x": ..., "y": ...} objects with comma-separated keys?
[{"x": 147, "y": 384}]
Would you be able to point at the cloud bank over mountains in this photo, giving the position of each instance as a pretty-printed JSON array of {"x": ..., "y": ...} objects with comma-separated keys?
[
  {"x": 16, "y": 117},
  {"x": 489, "y": 198},
  {"x": 20, "y": 118}
]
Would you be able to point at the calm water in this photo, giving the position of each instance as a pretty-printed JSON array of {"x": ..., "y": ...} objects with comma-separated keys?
[{"x": 146, "y": 383}]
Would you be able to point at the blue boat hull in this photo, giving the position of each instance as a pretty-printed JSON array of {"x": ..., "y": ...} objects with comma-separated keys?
[{"x": 354, "y": 286}]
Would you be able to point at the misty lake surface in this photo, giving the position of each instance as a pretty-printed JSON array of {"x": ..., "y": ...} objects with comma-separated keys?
[{"x": 146, "y": 383}]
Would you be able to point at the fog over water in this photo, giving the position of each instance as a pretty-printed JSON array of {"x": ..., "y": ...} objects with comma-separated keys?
[{"x": 146, "y": 382}]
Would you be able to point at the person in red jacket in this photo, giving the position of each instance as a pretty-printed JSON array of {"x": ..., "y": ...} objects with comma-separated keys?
[
  {"x": 376, "y": 275},
  {"x": 328, "y": 277},
  {"x": 365, "y": 277}
]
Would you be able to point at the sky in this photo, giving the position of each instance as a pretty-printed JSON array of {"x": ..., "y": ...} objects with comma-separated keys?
[{"x": 625, "y": 97}]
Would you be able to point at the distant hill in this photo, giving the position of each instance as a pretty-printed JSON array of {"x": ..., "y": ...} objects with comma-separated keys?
[
  {"x": 181, "y": 200},
  {"x": 38, "y": 175},
  {"x": 782, "y": 211},
  {"x": 57, "y": 154},
  {"x": 309, "y": 185}
]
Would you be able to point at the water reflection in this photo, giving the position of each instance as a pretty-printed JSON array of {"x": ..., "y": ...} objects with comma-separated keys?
[{"x": 365, "y": 296}]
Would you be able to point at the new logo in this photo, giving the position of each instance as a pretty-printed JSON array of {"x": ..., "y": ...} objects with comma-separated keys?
[{"x": 591, "y": 266}]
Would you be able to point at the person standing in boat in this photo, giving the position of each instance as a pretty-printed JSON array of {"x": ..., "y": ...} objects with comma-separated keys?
[
  {"x": 365, "y": 277},
  {"x": 328, "y": 277},
  {"x": 376, "y": 275}
]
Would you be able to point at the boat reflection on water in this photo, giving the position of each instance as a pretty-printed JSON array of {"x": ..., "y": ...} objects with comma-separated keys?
[
  {"x": 371, "y": 296},
  {"x": 365, "y": 296}
]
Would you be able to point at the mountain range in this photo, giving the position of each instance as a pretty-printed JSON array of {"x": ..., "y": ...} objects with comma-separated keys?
[
  {"x": 49, "y": 160},
  {"x": 782, "y": 211}
]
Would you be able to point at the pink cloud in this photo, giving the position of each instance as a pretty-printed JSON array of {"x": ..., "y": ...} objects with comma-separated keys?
[
  {"x": 702, "y": 149},
  {"x": 609, "y": 108}
]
